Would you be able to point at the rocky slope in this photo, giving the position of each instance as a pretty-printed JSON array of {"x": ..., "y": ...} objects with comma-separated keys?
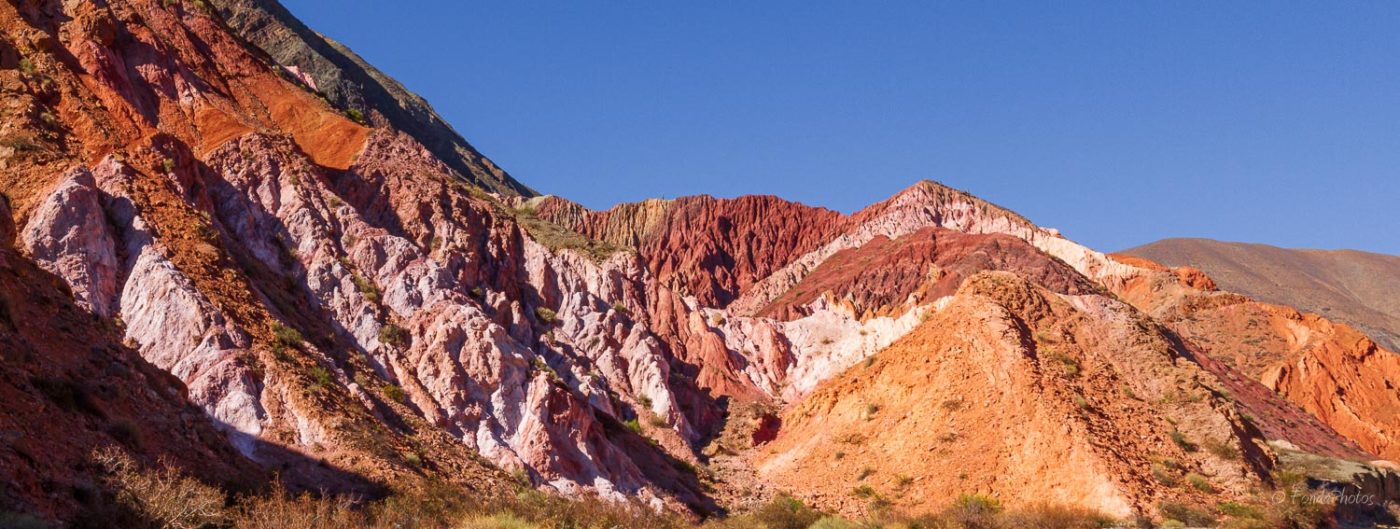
[
  {"x": 1330, "y": 369},
  {"x": 65, "y": 375},
  {"x": 1018, "y": 392},
  {"x": 333, "y": 71},
  {"x": 354, "y": 308},
  {"x": 1357, "y": 288}
]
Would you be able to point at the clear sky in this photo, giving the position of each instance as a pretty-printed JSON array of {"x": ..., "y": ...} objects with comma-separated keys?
[{"x": 1117, "y": 122}]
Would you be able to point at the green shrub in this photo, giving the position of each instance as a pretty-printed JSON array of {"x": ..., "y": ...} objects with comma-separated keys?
[
  {"x": 21, "y": 521},
  {"x": 65, "y": 394},
  {"x": 1200, "y": 483},
  {"x": 286, "y": 336},
  {"x": 1239, "y": 510},
  {"x": 1181, "y": 441},
  {"x": 1295, "y": 508},
  {"x": 830, "y": 522},
  {"x": 365, "y": 287},
  {"x": 1068, "y": 365},
  {"x": 1186, "y": 514},
  {"x": 320, "y": 378},
  {"x": 545, "y": 315},
  {"x": 393, "y": 335},
  {"x": 1163, "y": 475},
  {"x": 1222, "y": 449},
  {"x": 785, "y": 512},
  {"x": 633, "y": 425},
  {"x": 978, "y": 503},
  {"x": 355, "y": 115},
  {"x": 1045, "y": 516},
  {"x": 395, "y": 393}
]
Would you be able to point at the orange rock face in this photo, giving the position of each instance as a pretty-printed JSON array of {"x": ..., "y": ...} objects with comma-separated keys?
[
  {"x": 1330, "y": 370},
  {"x": 1012, "y": 391}
]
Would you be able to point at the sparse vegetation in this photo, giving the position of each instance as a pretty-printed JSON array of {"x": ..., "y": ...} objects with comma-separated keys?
[
  {"x": 1081, "y": 402},
  {"x": 169, "y": 498},
  {"x": 556, "y": 237},
  {"x": 1186, "y": 514},
  {"x": 125, "y": 432},
  {"x": 1200, "y": 483},
  {"x": 321, "y": 379},
  {"x": 543, "y": 366},
  {"x": 393, "y": 335},
  {"x": 395, "y": 393},
  {"x": 1068, "y": 365},
  {"x": 355, "y": 115},
  {"x": 1163, "y": 475},
  {"x": 545, "y": 315},
  {"x": 286, "y": 336},
  {"x": 164, "y": 497},
  {"x": 785, "y": 513},
  {"x": 633, "y": 425},
  {"x": 365, "y": 287},
  {"x": 1222, "y": 449},
  {"x": 1181, "y": 441}
]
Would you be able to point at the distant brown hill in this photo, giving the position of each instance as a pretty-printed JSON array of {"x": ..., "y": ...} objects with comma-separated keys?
[{"x": 1359, "y": 288}]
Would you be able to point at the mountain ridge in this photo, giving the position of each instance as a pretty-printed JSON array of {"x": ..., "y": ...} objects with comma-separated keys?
[
  {"x": 1354, "y": 286},
  {"x": 345, "y": 306}
]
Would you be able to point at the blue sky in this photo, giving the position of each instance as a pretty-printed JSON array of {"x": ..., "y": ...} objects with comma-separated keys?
[{"x": 1117, "y": 122}]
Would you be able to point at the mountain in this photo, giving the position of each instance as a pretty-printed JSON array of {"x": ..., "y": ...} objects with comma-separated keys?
[
  {"x": 336, "y": 73},
  {"x": 298, "y": 301},
  {"x": 1359, "y": 288}
]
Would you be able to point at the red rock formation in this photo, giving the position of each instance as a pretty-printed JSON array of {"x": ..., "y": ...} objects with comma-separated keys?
[
  {"x": 709, "y": 248},
  {"x": 884, "y": 277},
  {"x": 331, "y": 293}
]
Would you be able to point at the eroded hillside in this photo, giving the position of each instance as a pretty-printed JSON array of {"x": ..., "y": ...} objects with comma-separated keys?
[{"x": 347, "y": 305}]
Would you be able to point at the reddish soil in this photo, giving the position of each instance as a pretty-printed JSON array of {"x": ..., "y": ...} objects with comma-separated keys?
[{"x": 885, "y": 277}]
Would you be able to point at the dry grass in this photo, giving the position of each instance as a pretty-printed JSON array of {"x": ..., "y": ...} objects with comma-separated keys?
[{"x": 165, "y": 498}]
